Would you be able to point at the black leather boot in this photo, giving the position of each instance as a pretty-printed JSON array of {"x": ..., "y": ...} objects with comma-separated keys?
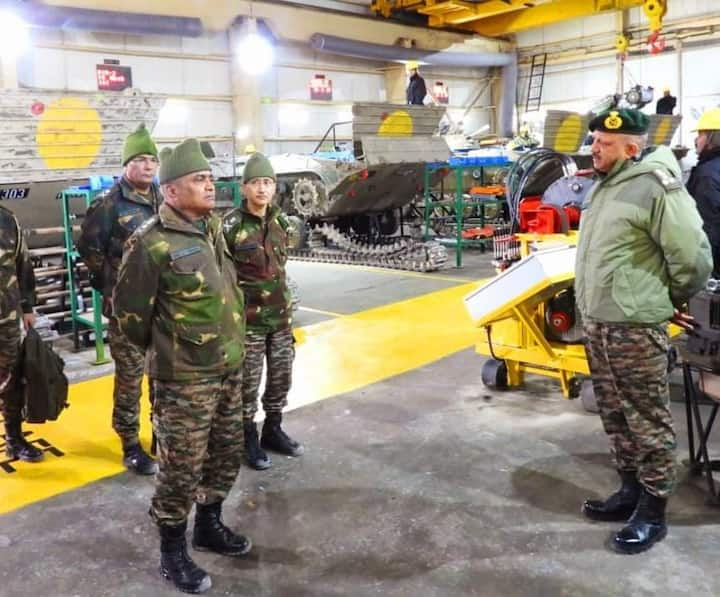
[
  {"x": 620, "y": 505},
  {"x": 16, "y": 446},
  {"x": 138, "y": 461},
  {"x": 210, "y": 534},
  {"x": 275, "y": 439},
  {"x": 175, "y": 563},
  {"x": 645, "y": 527},
  {"x": 255, "y": 456}
]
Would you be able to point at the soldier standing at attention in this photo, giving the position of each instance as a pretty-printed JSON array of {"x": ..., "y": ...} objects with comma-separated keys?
[
  {"x": 177, "y": 298},
  {"x": 641, "y": 255},
  {"x": 17, "y": 298},
  {"x": 109, "y": 222},
  {"x": 256, "y": 234}
]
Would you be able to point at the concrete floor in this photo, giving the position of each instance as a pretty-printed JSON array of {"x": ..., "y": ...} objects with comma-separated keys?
[{"x": 425, "y": 484}]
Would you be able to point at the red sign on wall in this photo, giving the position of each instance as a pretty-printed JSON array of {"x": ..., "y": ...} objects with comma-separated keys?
[
  {"x": 441, "y": 93},
  {"x": 112, "y": 77},
  {"x": 320, "y": 88}
]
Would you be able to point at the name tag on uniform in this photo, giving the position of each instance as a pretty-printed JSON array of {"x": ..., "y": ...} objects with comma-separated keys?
[
  {"x": 186, "y": 252},
  {"x": 247, "y": 247}
]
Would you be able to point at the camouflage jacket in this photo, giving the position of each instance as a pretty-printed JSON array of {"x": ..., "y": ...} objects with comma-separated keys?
[
  {"x": 176, "y": 296},
  {"x": 259, "y": 250},
  {"x": 109, "y": 222},
  {"x": 17, "y": 287}
]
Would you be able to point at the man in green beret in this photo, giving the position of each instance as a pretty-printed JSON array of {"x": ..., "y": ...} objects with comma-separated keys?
[
  {"x": 257, "y": 236},
  {"x": 641, "y": 255},
  {"x": 109, "y": 222},
  {"x": 177, "y": 298}
]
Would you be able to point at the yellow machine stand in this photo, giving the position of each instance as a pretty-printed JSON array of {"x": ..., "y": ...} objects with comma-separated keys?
[{"x": 513, "y": 310}]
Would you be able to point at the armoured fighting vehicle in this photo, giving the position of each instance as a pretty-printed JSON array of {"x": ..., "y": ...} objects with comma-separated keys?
[
  {"x": 349, "y": 210},
  {"x": 53, "y": 140}
]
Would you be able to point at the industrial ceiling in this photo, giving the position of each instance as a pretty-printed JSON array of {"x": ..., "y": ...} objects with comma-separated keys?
[{"x": 497, "y": 17}]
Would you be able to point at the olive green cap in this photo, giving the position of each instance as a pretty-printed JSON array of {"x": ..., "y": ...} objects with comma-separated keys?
[
  {"x": 137, "y": 143},
  {"x": 185, "y": 158},
  {"x": 258, "y": 165}
]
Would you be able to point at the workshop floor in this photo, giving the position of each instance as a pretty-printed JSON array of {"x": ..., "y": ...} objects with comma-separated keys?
[{"x": 416, "y": 480}]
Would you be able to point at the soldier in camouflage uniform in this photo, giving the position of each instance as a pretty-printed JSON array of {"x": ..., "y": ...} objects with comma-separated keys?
[
  {"x": 177, "y": 298},
  {"x": 256, "y": 234},
  {"x": 17, "y": 298},
  {"x": 641, "y": 255},
  {"x": 109, "y": 222}
]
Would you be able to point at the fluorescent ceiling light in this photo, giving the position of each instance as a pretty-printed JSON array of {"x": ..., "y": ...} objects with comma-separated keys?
[{"x": 14, "y": 35}]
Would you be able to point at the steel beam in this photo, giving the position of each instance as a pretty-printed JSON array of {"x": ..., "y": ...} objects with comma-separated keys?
[{"x": 546, "y": 14}]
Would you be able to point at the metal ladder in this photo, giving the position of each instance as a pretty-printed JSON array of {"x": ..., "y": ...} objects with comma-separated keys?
[{"x": 535, "y": 83}]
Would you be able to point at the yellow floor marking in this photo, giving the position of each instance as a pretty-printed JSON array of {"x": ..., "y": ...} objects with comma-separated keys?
[
  {"x": 84, "y": 433},
  {"x": 344, "y": 354},
  {"x": 334, "y": 356}
]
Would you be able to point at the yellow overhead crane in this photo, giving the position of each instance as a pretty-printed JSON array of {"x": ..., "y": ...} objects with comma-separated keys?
[{"x": 499, "y": 17}]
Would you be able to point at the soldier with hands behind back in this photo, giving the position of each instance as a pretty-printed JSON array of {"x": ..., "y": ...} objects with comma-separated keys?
[{"x": 177, "y": 298}]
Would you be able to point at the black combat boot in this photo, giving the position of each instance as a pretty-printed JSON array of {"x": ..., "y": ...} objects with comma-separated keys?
[
  {"x": 620, "y": 505},
  {"x": 210, "y": 534},
  {"x": 16, "y": 446},
  {"x": 138, "y": 461},
  {"x": 645, "y": 527},
  {"x": 275, "y": 439},
  {"x": 255, "y": 456},
  {"x": 175, "y": 563}
]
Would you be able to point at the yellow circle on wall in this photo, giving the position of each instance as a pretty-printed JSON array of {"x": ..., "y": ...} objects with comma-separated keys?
[
  {"x": 569, "y": 134},
  {"x": 69, "y": 134},
  {"x": 397, "y": 124}
]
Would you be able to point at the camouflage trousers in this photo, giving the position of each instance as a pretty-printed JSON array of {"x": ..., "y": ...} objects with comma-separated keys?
[
  {"x": 11, "y": 397},
  {"x": 278, "y": 349},
  {"x": 629, "y": 368},
  {"x": 129, "y": 368},
  {"x": 200, "y": 436}
]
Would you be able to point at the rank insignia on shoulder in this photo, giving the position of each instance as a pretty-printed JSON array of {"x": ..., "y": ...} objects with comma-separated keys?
[{"x": 667, "y": 180}]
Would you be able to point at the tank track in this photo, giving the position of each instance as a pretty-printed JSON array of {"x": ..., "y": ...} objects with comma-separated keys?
[{"x": 327, "y": 244}]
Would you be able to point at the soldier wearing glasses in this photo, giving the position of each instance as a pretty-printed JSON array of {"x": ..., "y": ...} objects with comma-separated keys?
[{"x": 108, "y": 223}]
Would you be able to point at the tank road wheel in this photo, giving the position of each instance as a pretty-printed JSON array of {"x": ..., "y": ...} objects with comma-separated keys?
[
  {"x": 305, "y": 197},
  {"x": 494, "y": 374}
]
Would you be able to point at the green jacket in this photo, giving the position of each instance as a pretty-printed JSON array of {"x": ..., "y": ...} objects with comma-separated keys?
[
  {"x": 176, "y": 296},
  {"x": 641, "y": 250},
  {"x": 108, "y": 223},
  {"x": 259, "y": 250}
]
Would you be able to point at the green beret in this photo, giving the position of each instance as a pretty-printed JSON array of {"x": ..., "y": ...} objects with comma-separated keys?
[
  {"x": 627, "y": 122},
  {"x": 137, "y": 143},
  {"x": 185, "y": 158},
  {"x": 258, "y": 165}
]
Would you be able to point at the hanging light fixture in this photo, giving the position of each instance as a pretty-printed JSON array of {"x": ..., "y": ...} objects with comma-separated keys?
[
  {"x": 255, "y": 52},
  {"x": 14, "y": 35}
]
